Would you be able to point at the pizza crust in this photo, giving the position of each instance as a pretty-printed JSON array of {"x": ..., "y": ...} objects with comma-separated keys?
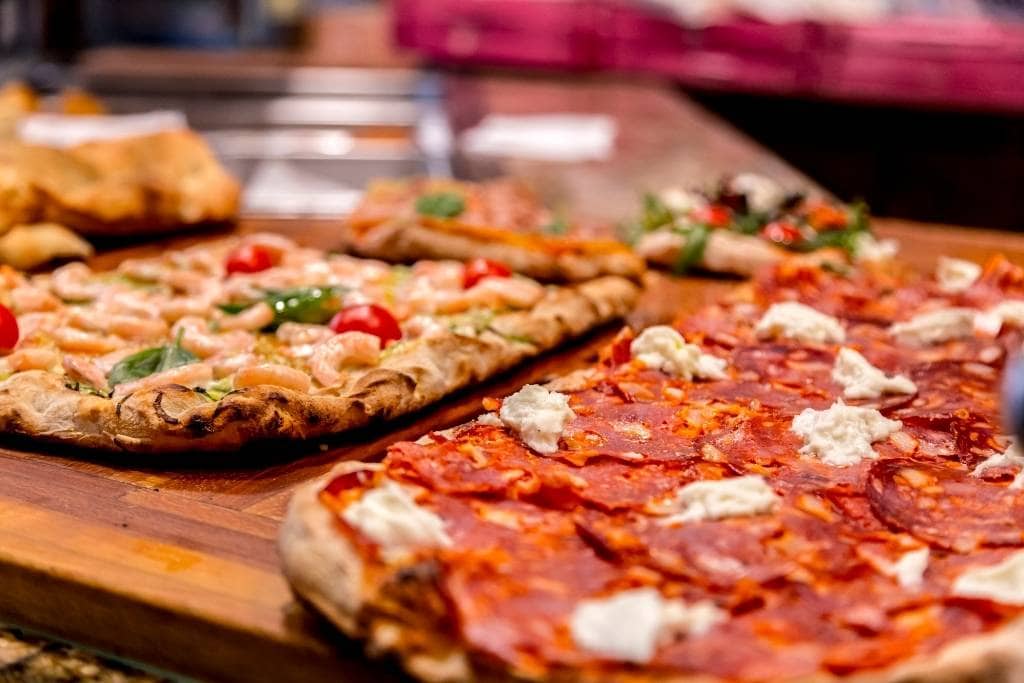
[
  {"x": 174, "y": 418},
  {"x": 404, "y": 239}
]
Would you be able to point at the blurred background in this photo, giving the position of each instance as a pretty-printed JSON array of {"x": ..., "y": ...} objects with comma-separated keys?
[{"x": 913, "y": 105}]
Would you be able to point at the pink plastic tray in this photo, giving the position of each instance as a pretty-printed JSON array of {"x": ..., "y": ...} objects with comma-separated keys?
[{"x": 947, "y": 63}]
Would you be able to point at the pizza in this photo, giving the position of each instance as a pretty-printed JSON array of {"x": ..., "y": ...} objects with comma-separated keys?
[
  {"x": 222, "y": 343},
  {"x": 502, "y": 220},
  {"x": 747, "y": 222},
  {"x": 807, "y": 481}
]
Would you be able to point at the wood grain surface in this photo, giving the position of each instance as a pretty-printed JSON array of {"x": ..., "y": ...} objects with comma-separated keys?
[{"x": 172, "y": 561}]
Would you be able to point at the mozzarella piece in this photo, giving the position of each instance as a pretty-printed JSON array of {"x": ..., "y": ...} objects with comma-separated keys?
[
  {"x": 539, "y": 416},
  {"x": 909, "y": 569},
  {"x": 842, "y": 435},
  {"x": 722, "y": 498},
  {"x": 1011, "y": 457},
  {"x": 663, "y": 348},
  {"x": 861, "y": 379},
  {"x": 763, "y": 194},
  {"x": 630, "y": 625},
  {"x": 935, "y": 327},
  {"x": 389, "y": 516},
  {"x": 991, "y": 321},
  {"x": 792, "y": 320},
  {"x": 1002, "y": 582},
  {"x": 869, "y": 249},
  {"x": 956, "y": 275},
  {"x": 682, "y": 201},
  {"x": 490, "y": 419}
]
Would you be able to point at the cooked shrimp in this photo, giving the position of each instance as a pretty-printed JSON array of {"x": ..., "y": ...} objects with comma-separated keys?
[
  {"x": 146, "y": 270},
  {"x": 71, "y": 339},
  {"x": 255, "y": 317},
  {"x": 347, "y": 348},
  {"x": 130, "y": 302},
  {"x": 71, "y": 282},
  {"x": 188, "y": 281},
  {"x": 273, "y": 374},
  {"x": 271, "y": 241},
  {"x": 228, "y": 364},
  {"x": 27, "y": 299},
  {"x": 31, "y": 323},
  {"x": 197, "y": 338},
  {"x": 194, "y": 375},
  {"x": 129, "y": 327},
  {"x": 493, "y": 292},
  {"x": 179, "y": 307},
  {"x": 295, "y": 334},
  {"x": 32, "y": 359},
  {"x": 82, "y": 369}
]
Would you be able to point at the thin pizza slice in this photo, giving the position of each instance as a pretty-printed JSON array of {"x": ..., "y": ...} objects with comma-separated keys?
[
  {"x": 806, "y": 482},
  {"x": 500, "y": 220},
  {"x": 748, "y": 222},
  {"x": 219, "y": 344}
]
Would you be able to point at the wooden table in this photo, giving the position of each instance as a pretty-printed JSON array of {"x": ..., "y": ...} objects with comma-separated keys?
[{"x": 172, "y": 561}]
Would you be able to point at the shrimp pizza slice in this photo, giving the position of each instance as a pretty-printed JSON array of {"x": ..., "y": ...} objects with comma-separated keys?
[
  {"x": 250, "y": 338},
  {"x": 805, "y": 484},
  {"x": 501, "y": 220}
]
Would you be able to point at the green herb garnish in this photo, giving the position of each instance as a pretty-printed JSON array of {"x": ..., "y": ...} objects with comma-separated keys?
[
  {"x": 656, "y": 213},
  {"x": 440, "y": 205},
  {"x": 218, "y": 390},
  {"x": 150, "y": 361},
  {"x": 314, "y": 305},
  {"x": 693, "y": 251}
]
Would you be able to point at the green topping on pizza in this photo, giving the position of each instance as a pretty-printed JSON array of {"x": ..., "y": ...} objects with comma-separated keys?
[
  {"x": 150, "y": 361},
  {"x": 313, "y": 305},
  {"x": 440, "y": 205},
  {"x": 693, "y": 251}
]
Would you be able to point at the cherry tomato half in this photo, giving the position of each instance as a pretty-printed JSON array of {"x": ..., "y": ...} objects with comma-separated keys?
[
  {"x": 8, "y": 329},
  {"x": 250, "y": 258},
  {"x": 781, "y": 232},
  {"x": 715, "y": 215},
  {"x": 479, "y": 268},
  {"x": 368, "y": 318}
]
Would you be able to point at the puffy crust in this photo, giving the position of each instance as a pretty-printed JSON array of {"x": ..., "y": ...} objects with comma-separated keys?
[
  {"x": 174, "y": 418},
  {"x": 409, "y": 240}
]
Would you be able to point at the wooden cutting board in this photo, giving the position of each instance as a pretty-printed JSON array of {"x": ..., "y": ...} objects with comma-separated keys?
[{"x": 172, "y": 561}]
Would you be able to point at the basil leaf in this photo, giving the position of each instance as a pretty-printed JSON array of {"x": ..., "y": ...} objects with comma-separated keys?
[
  {"x": 440, "y": 205},
  {"x": 693, "y": 251},
  {"x": 149, "y": 362},
  {"x": 748, "y": 223},
  {"x": 314, "y": 305},
  {"x": 233, "y": 309},
  {"x": 841, "y": 239},
  {"x": 656, "y": 214}
]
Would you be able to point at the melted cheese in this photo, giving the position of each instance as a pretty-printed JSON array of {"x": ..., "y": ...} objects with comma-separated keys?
[
  {"x": 1011, "y": 457},
  {"x": 792, "y": 320},
  {"x": 539, "y": 416},
  {"x": 389, "y": 516},
  {"x": 842, "y": 435},
  {"x": 490, "y": 419},
  {"x": 909, "y": 569},
  {"x": 630, "y": 625},
  {"x": 1002, "y": 582},
  {"x": 663, "y": 348},
  {"x": 870, "y": 249},
  {"x": 861, "y": 379},
  {"x": 956, "y": 275},
  {"x": 763, "y": 194},
  {"x": 935, "y": 327},
  {"x": 682, "y": 201},
  {"x": 991, "y": 321},
  {"x": 722, "y": 498}
]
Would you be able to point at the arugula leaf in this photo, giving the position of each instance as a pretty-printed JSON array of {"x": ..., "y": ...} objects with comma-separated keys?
[
  {"x": 693, "y": 251},
  {"x": 748, "y": 223},
  {"x": 440, "y": 205},
  {"x": 656, "y": 214},
  {"x": 842, "y": 239},
  {"x": 315, "y": 305},
  {"x": 149, "y": 362}
]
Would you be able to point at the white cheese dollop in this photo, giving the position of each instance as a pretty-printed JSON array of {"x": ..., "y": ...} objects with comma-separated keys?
[
  {"x": 1011, "y": 457},
  {"x": 935, "y": 327},
  {"x": 718, "y": 499},
  {"x": 490, "y": 419},
  {"x": 389, "y": 516},
  {"x": 909, "y": 569},
  {"x": 1002, "y": 582},
  {"x": 663, "y": 348},
  {"x": 861, "y": 379},
  {"x": 869, "y": 249},
  {"x": 990, "y": 322},
  {"x": 682, "y": 201},
  {"x": 539, "y": 416},
  {"x": 842, "y": 435},
  {"x": 956, "y": 275},
  {"x": 763, "y": 194},
  {"x": 630, "y": 625},
  {"x": 792, "y": 320}
]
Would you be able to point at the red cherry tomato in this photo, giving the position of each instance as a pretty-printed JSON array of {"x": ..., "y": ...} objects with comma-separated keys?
[
  {"x": 249, "y": 258},
  {"x": 715, "y": 215},
  {"x": 781, "y": 232},
  {"x": 368, "y": 318},
  {"x": 8, "y": 329},
  {"x": 479, "y": 268}
]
